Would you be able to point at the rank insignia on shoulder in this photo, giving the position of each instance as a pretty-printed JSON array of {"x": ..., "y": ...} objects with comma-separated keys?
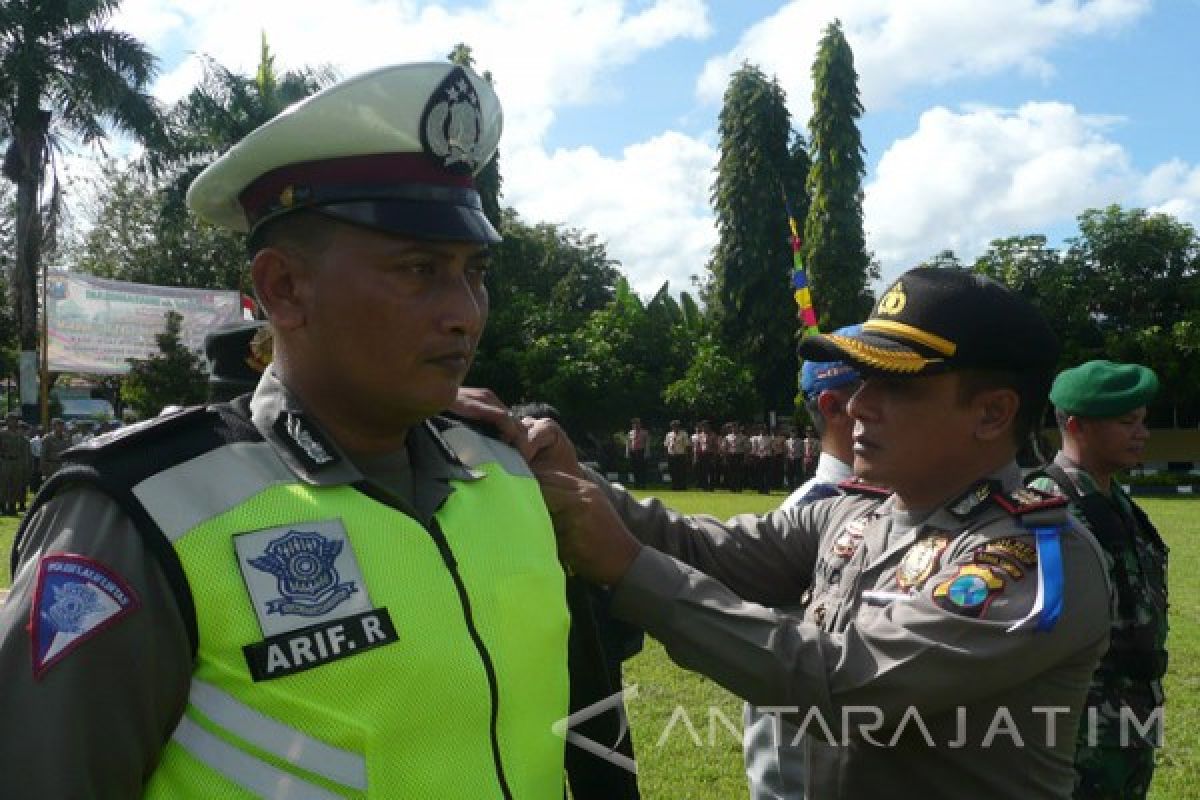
[
  {"x": 75, "y": 599},
  {"x": 969, "y": 592},
  {"x": 860, "y": 487},
  {"x": 305, "y": 440},
  {"x": 1026, "y": 500}
]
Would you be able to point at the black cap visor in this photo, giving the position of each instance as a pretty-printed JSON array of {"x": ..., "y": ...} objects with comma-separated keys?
[
  {"x": 873, "y": 354},
  {"x": 417, "y": 219}
]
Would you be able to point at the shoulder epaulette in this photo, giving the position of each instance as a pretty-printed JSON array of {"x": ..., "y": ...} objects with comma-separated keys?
[
  {"x": 139, "y": 433},
  {"x": 1033, "y": 505},
  {"x": 861, "y": 487}
]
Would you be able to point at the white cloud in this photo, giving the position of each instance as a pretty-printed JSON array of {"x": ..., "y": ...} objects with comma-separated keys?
[
  {"x": 650, "y": 205},
  {"x": 963, "y": 179},
  {"x": 544, "y": 54},
  {"x": 1173, "y": 188},
  {"x": 898, "y": 45}
]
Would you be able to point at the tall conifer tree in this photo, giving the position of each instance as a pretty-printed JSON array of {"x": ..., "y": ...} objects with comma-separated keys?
[
  {"x": 750, "y": 295},
  {"x": 835, "y": 250}
]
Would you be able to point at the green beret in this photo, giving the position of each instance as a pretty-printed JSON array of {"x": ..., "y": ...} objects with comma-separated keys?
[{"x": 1103, "y": 389}]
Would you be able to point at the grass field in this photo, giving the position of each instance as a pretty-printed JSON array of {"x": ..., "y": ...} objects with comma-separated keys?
[{"x": 675, "y": 768}]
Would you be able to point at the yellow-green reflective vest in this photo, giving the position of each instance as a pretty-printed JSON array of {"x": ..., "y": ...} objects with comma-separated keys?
[{"x": 481, "y": 624}]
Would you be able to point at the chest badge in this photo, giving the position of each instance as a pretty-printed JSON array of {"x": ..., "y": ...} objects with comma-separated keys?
[
  {"x": 849, "y": 539},
  {"x": 309, "y": 597},
  {"x": 920, "y": 561},
  {"x": 303, "y": 565}
]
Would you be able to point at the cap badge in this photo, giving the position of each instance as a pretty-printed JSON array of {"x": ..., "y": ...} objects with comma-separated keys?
[
  {"x": 893, "y": 302},
  {"x": 287, "y": 197},
  {"x": 451, "y": 124},
  {"x": 261, "y": 349}
]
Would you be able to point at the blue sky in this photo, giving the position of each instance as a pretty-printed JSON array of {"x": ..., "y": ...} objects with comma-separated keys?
[{"x": 985, "y": 118}]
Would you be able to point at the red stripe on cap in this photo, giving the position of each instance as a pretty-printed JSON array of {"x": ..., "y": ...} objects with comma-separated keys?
[{"x": 380, "y": 169}]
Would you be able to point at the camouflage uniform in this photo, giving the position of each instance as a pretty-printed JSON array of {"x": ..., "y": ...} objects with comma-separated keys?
[{"x": 1130, "y": 674}]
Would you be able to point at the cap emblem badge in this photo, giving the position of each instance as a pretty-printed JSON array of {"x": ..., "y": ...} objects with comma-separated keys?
[
  {"x": 893, "y": 302},
  {"x": 451, "y": 124}
]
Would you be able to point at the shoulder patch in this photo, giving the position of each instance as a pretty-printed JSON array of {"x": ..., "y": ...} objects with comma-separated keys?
[
  {"x": 969, "y": 591},
  {"x": 76, "y": 598},
  {"x": 1016, "y": 549},
  {"x": 861, "y": 487}
]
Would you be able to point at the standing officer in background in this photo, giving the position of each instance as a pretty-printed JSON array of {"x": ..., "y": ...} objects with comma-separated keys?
[
  {"x": 636, "y": 442},
  {"x": 323, "y": 590},
  {"x": 956, "y": 597},
  {"x": 237, "y": 354},
  {"x": 677, "y": 443},
  {"x": 774, "y": 766},
  {"x": 1100, "y": 407},
  {"x": 54, "y": 444},
  {"x": 15, "y": 461}
]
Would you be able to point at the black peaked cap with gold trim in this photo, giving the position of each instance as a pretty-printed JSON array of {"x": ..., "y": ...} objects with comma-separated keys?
[{"x": 933, "y": 320}]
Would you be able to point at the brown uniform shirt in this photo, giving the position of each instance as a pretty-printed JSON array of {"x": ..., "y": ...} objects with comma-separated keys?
[{"x": 904, "y": 648}]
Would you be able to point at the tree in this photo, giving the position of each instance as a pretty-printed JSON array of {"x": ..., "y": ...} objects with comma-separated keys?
[
  {"x": 488, "y": 181},
  {"x": 63, "y": 72},
  {"x": 835, "y": 252},
  {"x": 141, "y": 228},
  {"x": 713, "y": 387},
  {"x": 175, "y": 376},
  {"x": 760, "y": 162},
  {"x": 130, "y": 239},
  {"x": 545, "y": 279}
]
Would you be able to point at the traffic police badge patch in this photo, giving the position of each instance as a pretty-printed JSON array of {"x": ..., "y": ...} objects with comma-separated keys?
[
  {"x": 76, "y": 598},
  {"x": 309, "y": 596}
]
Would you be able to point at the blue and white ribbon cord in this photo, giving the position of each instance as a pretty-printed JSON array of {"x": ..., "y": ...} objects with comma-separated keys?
[{"x": 1047, "y": 606}]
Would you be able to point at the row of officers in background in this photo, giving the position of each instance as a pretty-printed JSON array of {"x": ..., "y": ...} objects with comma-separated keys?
[
  {"x": 736, "y": 457},
  {"x": 27, "y": 454}
]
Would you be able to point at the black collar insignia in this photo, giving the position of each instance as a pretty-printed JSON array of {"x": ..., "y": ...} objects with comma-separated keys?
[{"x": 305, "y": 440}]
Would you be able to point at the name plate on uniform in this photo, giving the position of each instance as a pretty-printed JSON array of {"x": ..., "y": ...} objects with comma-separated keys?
[{"x": 298, "y": 650}]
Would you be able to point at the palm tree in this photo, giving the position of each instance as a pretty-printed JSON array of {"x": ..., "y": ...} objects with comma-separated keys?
[
  {"x": 63, "y": 73},
  {"x": 222, "y": 109}
]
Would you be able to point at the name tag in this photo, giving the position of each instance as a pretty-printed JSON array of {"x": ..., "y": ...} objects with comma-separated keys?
[{"x": 296, "y": 651}]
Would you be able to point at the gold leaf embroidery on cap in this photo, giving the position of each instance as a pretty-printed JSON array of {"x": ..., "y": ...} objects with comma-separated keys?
[{"x": 892, "y": 360}]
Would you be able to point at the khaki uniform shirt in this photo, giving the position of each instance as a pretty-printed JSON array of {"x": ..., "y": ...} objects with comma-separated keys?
[
  {"x": 905, "y": 684},
  {"x": 52, "y": 449},
  {"x": 94, "y": 724}
]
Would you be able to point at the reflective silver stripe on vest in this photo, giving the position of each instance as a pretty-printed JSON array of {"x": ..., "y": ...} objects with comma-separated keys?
[
  {"x": 250, "y": 773},
  {"x": 474, "y": 449},
  {"x": 303, "y": 751},
  {"x": 195, "y": 491}
]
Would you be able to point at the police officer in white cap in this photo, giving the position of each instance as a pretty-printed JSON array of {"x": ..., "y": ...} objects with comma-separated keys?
[{"x": 323, "y": 589}]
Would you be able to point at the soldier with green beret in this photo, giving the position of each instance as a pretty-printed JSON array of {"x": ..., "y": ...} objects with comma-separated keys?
[{"x": 1100, "y": 407}]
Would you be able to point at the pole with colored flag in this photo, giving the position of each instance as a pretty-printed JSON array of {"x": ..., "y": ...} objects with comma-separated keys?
[{"x": 800, "y": 289}]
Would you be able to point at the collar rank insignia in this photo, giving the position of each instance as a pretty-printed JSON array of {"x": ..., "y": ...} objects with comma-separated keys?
[
  {"x": 76, "y": 598},
  {"x": 305, "y": 440},
  {"x": 970, "y": 500},
  {"x": 849, "y": 539},
  {"x": 451, "y": 124},
  {"x": 920, "y": 561},
  {"x": 310, "y": 598}
]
